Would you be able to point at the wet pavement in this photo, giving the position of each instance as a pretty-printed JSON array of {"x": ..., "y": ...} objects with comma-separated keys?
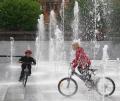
[{"x": 42, "y": 85}]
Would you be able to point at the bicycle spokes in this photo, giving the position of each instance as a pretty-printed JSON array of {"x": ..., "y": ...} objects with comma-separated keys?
[
  {"x": 67, "y": 87},
  {"x": 105, "y": 86}
]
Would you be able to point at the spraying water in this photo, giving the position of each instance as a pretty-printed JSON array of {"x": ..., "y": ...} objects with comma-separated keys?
[
  {"x": 97, "y": 19},
  {"x": 96, "y": 45},
  {"x": 75, "y": 24},
  {"x": 59, "y": 40},
  {"x": 105, "y": 53},
  {"x": 52, "y": 27},
  {"x": 11, "y": 49},
  {"x": 37, "y": 51},
  {"x": 105, "y": 62},
  {"x": 101, "y": 11},
  {"x": 100, "y": 6},
  {"x": 41, "y": 28},
  {"x": 40, "y": 38},
  {"x": 62, "y": 14},
  {"x": 75, "y": 27},
  {"x": 56, "y": 36}
]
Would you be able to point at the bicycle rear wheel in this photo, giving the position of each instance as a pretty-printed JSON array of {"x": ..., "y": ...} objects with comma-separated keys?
[
  {"x": 105, "y": 86},
  {"x": 67, "y": 87}
]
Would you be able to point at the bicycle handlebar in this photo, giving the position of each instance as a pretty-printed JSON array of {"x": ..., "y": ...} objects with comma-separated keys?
[{"x": 27, "y": 63}]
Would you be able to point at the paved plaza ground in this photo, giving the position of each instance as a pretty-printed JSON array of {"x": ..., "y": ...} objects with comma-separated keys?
[{"x": 42, "y": 85}]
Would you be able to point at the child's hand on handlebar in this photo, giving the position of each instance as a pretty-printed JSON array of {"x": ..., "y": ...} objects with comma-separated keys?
[
  {"x": 71, "y": 64},
  {"x": 73, "y": 69}
]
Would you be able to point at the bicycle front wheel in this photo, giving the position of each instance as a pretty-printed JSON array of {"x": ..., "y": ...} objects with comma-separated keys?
[
  {"x": 25, "y": 80},
  {"x": 67, "y": 87},
  {"x": 105, "y": 86}
]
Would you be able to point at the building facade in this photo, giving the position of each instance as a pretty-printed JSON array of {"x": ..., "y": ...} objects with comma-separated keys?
[{"x": 48, "y": 5}]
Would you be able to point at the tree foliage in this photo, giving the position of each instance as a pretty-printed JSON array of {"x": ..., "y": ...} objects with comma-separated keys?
[
  {"x": 116, "y": 17},
  {"x": 19, "y": 14}
]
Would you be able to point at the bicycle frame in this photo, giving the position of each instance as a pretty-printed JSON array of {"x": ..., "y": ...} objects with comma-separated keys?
[
  {"x": 83, "y": 76},
  {"x": 26, "y": 71},
  {"x": 90, "y": 80},
  {"x": 25, "y": 77},
  {"x": 76, "y": 74}
]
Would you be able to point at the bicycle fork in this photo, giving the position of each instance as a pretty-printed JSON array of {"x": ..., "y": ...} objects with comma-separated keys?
[{"x": 69, "y": 80}]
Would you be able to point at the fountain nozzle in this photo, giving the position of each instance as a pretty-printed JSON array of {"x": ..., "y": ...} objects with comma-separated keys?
[{"x": 11, "y": 38}]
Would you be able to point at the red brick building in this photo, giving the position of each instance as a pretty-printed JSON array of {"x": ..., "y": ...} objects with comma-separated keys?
[{"x": 48, "y": 5}]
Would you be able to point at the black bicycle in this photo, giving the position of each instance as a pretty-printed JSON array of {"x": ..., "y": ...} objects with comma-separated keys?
[
  {"x": 25, "y": 75},
  {"x": 104, "y": 86}
]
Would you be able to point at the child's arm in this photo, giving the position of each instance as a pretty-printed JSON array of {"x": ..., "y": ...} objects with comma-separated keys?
[
  {"x": 34, "y": 61},
  {"x": 21, "y": 60},
  {"x": 77, "y": 56}
]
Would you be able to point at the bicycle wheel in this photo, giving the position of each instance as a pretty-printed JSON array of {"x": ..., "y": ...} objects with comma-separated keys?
[
  {"x": 67, "y": 87},
  {"x": 105, "y": 86},
  {"x": 25, "y": 80}
]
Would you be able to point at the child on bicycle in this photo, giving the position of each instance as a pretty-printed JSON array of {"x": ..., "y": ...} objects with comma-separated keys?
[
  {"x": 81, "y": 60},
  {"x": 26, "y": 61}
]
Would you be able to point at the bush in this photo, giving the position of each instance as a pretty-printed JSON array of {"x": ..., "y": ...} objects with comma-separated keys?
[
  {"x": 19, "y": 14},
  {"x": 116, "y": 17}
]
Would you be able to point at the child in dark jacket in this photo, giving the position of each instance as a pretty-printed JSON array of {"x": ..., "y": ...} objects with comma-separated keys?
[{"x": 26, "y": 61}]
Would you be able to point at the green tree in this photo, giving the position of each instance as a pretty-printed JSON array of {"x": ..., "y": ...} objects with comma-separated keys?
[
  {"x": 116, "y": 17},
  {"x": 1, "y": 0},
  {"x": 19, "y": 14}
]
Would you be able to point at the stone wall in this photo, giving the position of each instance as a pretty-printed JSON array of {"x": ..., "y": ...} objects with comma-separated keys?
[
  {"x": 29, "y": 36},
  {"x": 21, "y": 46}
]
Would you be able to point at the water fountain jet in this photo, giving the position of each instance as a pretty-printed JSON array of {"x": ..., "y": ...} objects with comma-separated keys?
[
  {"x": 11, "y": 49},
  {"x": 75, "y": 24}
]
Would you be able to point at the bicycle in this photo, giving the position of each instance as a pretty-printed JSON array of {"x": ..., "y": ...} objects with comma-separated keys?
[
  {"x": 25, "y": 75},
  {"x": 104, "y": 86}
]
